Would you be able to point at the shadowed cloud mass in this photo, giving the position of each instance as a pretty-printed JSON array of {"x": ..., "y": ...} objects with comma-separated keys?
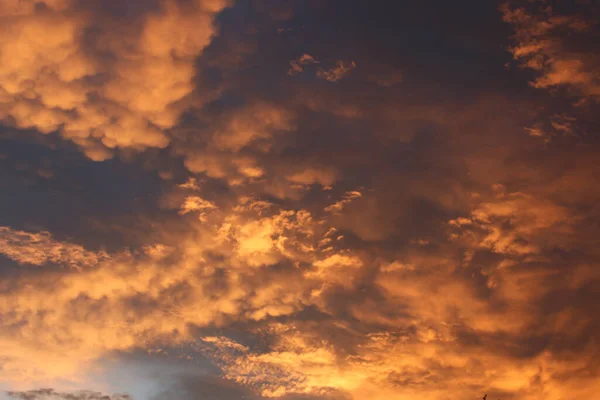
[{"x": 299, "y": 200}]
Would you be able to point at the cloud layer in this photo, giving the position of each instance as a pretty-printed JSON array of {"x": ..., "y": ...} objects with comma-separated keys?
[{"x": 332, "y": 207}]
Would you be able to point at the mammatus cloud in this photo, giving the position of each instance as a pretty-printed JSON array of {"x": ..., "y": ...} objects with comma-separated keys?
[{"x": 102, "y": 82}]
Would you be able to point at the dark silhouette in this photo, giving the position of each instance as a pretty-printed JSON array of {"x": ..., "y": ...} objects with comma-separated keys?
[{"x": 485, "y": 397}]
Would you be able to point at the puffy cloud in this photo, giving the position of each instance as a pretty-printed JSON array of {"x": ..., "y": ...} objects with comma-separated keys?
[
  {"x": 196, "y": 204},
  {"x": 39, "y": 249},
  {"x": 397, "y": 365},
  {"x": 469, "y": 265},
  {"x": 292, "y": 362},
  {"x": 103, "y": 83},
  {"x": 337, "y": 269},
  {"x": 514, "y": 222},
  {"x": 467, "y": 316},
  {"x": 229, "y": 268},
  {"x": 235, "y": 145},
  {"x": 250, "y": 125}
]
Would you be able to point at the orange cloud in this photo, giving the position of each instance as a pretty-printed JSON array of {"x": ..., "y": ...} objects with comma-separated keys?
[
  {"x": 517, "y": 224},
  {"x": 469, "y": 267},
  {"x": 196, "y": 204},
  {"x": 296, "y": 66},
  {"x": 388, "y": 365},
  {"x": 124, "y": 92},
  {"x": 543, "y": 39},
  {"x": 337, "y": 73},
  {"x": 238, "y": 140},
  {"x": 225, "y": 270},
  {"x": 346, "y": 199},
  {"x": 307, "y": 176},
  {"x": 39, "y": 249}
]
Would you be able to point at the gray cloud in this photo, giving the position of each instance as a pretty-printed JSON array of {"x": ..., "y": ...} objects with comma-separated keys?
[{"x": 51, "y": 394}]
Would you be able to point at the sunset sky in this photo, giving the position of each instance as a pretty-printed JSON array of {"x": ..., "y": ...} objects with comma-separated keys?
[{"x": 299, "y": 200}]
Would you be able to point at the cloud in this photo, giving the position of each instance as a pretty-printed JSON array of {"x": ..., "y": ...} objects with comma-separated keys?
[
  {"x": 196, "y": 204},
  {"x": 334, "y": 74},
  {"x": 309, "y": 175},
  {"x": 235, "y": 145},
  {"x": 440, "y": 325},
  {"x": 545, "y": 42},
  {"x": 337, "y": 73},
  {"x": 229, "y": 268},
  {"x": 400, "y": 364},
  {"x": 103, "y": 83},
  {"x": 512, "y": 224},
  {"x": 346, "y": 199},
  {"x": 39, "y": 249},
  {"x": 556, "y": 44},
  {"x": 51, "y": 394},
  {"x": 297, "y": 66},
  {"x": 464, "y": 261}
]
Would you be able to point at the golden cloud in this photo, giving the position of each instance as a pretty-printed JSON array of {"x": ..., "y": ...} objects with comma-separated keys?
[
  {"x": 347, "y": 198},
  {"x": 436, "y": 281},
  {"x": 125, "y": 91},
  {"x": 389, "y": 365},
  {"x": 39, "y": 249},
  {"x": 226, "y": 270},
  {"x": 237, "y": 141}
]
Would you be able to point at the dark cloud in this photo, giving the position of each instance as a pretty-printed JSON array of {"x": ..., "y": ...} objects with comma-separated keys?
[
  {"x": 189, "y": 388},
  {"x": 51, "y": 394}
]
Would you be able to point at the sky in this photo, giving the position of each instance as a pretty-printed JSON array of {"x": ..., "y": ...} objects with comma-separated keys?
[{"x": 299, "y": 200}]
